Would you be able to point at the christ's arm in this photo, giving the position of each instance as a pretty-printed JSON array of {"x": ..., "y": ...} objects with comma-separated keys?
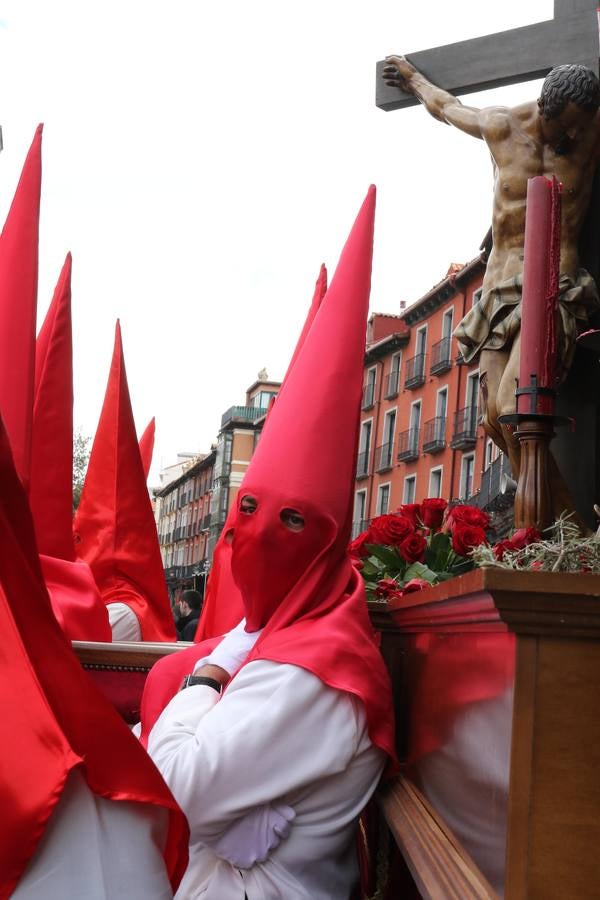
[{"x": 444, "y": 107}]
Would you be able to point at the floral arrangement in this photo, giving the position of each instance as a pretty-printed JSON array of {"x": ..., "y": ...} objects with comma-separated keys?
[
  {"x": 419, "y": 545},
  {"x": 562, "y": 549}
]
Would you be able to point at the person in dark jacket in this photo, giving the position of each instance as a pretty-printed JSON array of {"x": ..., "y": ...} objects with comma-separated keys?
[{"x": 190, "y": 604}]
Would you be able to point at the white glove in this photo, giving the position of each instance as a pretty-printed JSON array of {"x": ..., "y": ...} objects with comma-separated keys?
[
  {"x": 233, "y": 649},
  {"x": 252, "y": 838}
]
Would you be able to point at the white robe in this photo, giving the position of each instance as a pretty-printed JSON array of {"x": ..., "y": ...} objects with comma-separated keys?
[
  {"x": 124, "y": 623},
  {"x": 97, "y": 849},
  {"x": 278, "y": 733}
]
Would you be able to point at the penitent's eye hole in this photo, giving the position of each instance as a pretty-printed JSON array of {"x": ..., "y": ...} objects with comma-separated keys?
[
  {"x": 292, "y": 519},
  {"x": 248, "y": 504}
]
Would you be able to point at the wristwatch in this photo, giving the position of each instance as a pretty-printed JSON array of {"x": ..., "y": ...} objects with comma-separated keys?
[{"x": 191, "y": 680}]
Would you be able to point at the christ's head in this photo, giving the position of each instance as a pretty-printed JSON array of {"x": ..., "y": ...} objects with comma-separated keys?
[{"x": 568, "y": 103}]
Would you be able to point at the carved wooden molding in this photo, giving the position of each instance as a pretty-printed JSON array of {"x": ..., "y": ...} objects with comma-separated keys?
[
  {"x": 440, "y": 867},
  {"x": 492, "y": 599},
  {"x": 124, "y": 656}
]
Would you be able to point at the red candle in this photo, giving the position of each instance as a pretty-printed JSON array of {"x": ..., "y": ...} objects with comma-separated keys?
[{"x": 540, "y": 292}]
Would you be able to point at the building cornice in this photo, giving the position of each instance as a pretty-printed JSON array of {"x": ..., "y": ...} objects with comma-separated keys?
[{"x": 444, "y": 291}]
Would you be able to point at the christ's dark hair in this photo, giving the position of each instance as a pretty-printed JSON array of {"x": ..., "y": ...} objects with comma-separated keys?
[{"x": 574, "y": 83}]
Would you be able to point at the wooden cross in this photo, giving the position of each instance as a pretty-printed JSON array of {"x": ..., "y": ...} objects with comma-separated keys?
[{"x": 521, "y": 54}]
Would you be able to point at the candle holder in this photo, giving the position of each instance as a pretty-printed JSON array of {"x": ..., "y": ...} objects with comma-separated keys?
[{"x": 534, "y": 431}]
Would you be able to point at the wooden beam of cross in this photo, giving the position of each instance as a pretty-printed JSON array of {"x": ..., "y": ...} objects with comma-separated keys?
[{"x": 521, "y": 54}]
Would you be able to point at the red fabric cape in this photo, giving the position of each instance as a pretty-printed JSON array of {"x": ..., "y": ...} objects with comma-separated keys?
[{"x": 55, "y": 716}]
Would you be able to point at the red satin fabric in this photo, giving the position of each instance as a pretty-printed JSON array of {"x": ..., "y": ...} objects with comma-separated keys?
[
  {"x": 76, "y": 600},
  {"x": 223, "y": 607},
  {"x": 115, "y": 531},
  {"x": 51, "y": 499},
  {"x": 18, "y": 305},
  {"x": 52, "y": 716},
  {"x": 147, "y": 446},
  {"x": 313, "y": 606}
]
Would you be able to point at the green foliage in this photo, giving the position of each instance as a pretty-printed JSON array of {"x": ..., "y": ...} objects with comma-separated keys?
[{"x": 81, "y": 457}]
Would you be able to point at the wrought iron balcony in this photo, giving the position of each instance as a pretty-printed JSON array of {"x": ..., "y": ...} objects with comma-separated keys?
[
  {"x": 434, "y": 435},
  {"x": 362, "y": 464},
  {"x": 408, "y": 444},
  {"x": 247, "y": 413},
  {"x": 441, "y": 360},
  {"x": 368, "y": 400},
  {"x": 383, "y": 456},
  {"x": 359, "y": 526},
  {"x": 392, "y": 383},
  {"x": 464, "y": 434},
  {"x": 490, "y": 494},
  {"x": 415, "y": 371}
]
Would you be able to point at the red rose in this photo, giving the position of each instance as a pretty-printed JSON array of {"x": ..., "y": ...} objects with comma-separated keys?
[
  {"x": 524, "y": 536},
  {"x": 413, "y": 548},
  {"x": 432, "y": 511},
  {"x": 386, "y": 587},
  {"x": 500, "y": 549},
  {"x": 465, "y": 537},
  {"x": 357, "y": 547},
  {"x": 390, "y": 529},
  {"x": 468, "y": 515},
  {"x": 415, "y": 584},
  {"x": 412, "y": 511}
]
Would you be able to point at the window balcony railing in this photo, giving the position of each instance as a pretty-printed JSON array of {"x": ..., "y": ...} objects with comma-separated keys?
[
  {"x": 415, "y": 371},
  {"x": 441, "y": 360},
  {"x": 358, "y": 526},
  {"x": 247, "y": 413},
  {"x": 408, "y": 444},
  {"x": 383, "y": 456},
  {"x": 392, "y": 384},
  {"x": 362, "y": 464},
  {"x": 490, "y": 493},
  {"x": 464, "y": 434},
  {"x": 434, "y": 435},
  {"x": 368, "y": 400},
  {"x": 206, "y": 521}
]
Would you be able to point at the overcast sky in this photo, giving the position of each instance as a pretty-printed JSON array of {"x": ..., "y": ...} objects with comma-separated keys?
[{"x": 201, "y": 160}]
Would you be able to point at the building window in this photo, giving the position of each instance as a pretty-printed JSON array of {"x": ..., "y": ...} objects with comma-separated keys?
[
  {"x": 466, "y": 476},
  {"x": 393, "y": 379},
  {"x": 489, "y": 453},
  {"x": 359, "y": 520},
  {"x": 369, "y": 389},
  {"x": 364, "y": 450},
  {"x": 410, "y": 489},
  {"x": 435, "y": 482},
  {"x": 385, "y": 451},
  {"x": 383, "y": 499},
  {"x": 447, "y": 323}
]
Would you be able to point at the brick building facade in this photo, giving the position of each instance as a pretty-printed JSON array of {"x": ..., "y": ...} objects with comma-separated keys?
[{"x": 421, "y": 433}]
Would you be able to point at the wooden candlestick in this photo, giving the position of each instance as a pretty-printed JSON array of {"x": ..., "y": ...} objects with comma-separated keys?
[{"x": 533, "y": 500}]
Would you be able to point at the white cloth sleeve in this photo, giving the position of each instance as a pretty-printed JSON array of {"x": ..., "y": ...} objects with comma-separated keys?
[
  {"x": 233, "y": 649},
  {"x": 276, "y": 730},
  {"x": 124, "y": 623}
]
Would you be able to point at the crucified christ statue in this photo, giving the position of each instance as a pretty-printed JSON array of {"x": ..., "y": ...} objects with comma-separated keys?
[{"x": 557, "y": 135}]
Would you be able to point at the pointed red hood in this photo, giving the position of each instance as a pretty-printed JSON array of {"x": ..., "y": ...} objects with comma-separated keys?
[
  {"x": 18, "y": 302},
  {"x": 223, "y": 607},
  {"x": 51, "y": 499},
  {"x": 147, "y": 446},
  {"x": 289, "y": 551},
  {"x": 75, "y": 598},
  {"x": 48, "y": 701},
  {"x": 115, "y": 531}
]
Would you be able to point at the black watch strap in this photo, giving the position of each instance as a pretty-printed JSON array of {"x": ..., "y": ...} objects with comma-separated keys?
[{"x": 191, "y": 680}]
